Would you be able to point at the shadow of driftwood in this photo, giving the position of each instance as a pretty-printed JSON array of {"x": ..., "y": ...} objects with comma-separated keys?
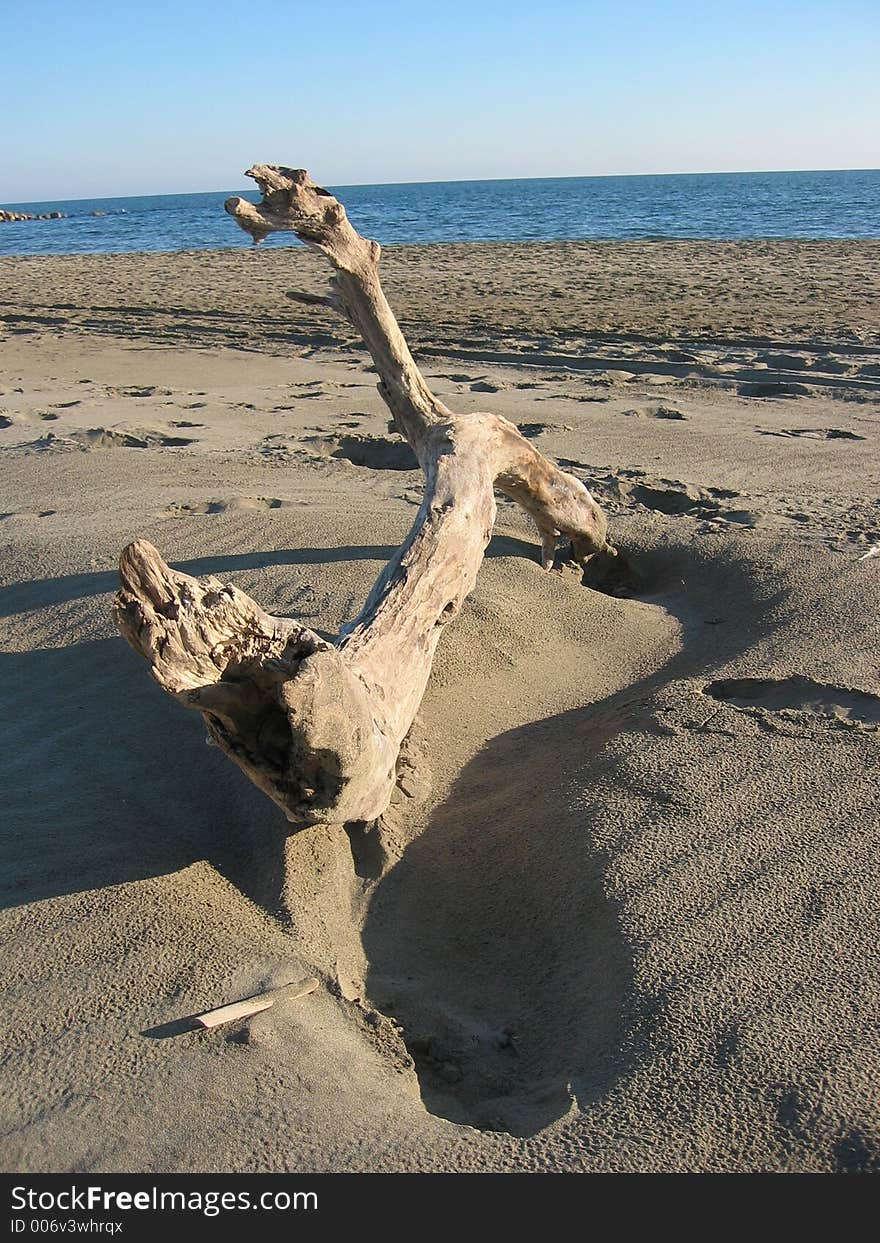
[
  {"x": 106, "y": 780},
  {"x": 494, "y": 944},
  {"x": 494, "y": 941},
  {"x": 168, "y": 1031},
  {"x": 41, "y": 593}
]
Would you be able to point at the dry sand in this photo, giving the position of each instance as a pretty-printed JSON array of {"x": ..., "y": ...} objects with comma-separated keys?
[{"x": 625, "y": 917}]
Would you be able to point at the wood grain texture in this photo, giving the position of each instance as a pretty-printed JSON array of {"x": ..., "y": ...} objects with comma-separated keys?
[{"x": 319, "y": 726}]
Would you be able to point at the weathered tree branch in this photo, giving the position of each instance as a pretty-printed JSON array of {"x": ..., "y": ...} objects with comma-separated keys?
[{"x": 319, "y": 726}]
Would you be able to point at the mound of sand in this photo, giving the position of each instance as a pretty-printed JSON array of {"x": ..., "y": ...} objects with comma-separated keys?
[{"x": 622, "y": 914}]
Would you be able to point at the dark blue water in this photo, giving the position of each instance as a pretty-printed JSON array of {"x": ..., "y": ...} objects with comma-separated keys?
[{"x": 711, "y": 205}]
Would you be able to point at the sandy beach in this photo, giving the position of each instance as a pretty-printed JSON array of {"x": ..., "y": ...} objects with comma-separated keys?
[{"x": 624, "y": 915}]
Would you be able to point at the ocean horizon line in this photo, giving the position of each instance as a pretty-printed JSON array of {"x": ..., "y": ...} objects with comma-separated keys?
[
  {"x": 805, "y": 204},
  {"x": 453, "y": 181}
]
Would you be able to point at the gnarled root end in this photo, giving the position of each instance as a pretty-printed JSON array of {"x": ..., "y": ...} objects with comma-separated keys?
[{"x": 276, "y": 698}]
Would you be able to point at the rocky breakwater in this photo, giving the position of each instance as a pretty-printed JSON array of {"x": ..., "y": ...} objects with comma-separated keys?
[{"x": 7, "y": 216}]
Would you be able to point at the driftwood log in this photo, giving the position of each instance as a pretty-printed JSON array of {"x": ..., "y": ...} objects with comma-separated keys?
[{"x": 316, "y": 725}]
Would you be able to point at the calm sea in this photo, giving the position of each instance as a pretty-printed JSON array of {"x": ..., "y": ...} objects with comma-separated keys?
[{"x": 717, "y": 205}]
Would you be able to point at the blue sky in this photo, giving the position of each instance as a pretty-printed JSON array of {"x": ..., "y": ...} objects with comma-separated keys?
[{"x": 105, "y": 99}]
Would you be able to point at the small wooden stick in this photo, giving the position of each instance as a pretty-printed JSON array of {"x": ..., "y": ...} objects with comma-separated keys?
[{"x": 253, "y": 1005}]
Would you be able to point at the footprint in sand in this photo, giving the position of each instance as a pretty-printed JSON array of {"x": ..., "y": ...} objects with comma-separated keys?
[
  {"x": 838, "y": 704},
  {"x": 488, "y": 386},
  {"x": 28, "y": 513},
  {"x": 372, "y": 452},
  {"x": 531, "y": 430},
  {"x": 811, "y": 433},
  {"x": 9, "y": 420},
  {"x": 832, "y": 366},
  {"x": 782, "y": 362},
  {"x": 774, "y": 388},
  {"x": 136, "y": 438},
  {"x": 315, "y": 390},
  {"x": 658, "y": 412},
  {"x": 376, "y": 452},
  {"x": 670, "y": 499},
  {"x": 661, "y": 496},
  {"x": 148, "y": 390},
  {"x": 94, "y": 438},
  {"x": 235, "y": 504}
]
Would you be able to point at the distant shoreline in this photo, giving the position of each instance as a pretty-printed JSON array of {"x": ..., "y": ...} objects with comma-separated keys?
[{"x": 281, "y": 243}]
